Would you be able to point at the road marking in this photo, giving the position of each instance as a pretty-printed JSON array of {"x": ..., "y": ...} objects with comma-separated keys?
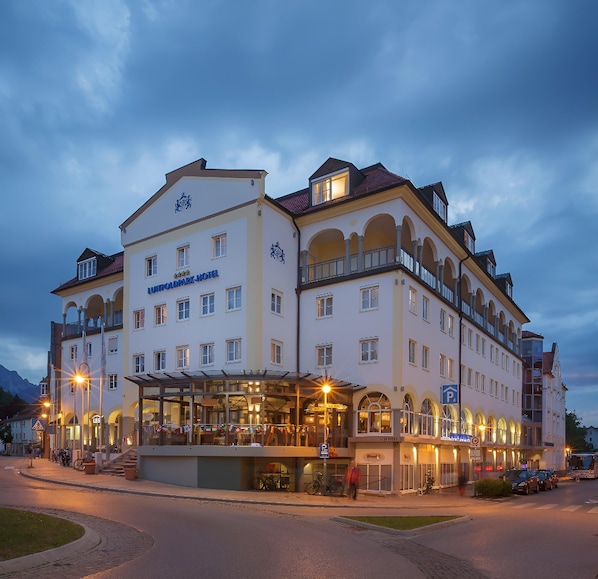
[
  {"x": 9, "y": 468},
  {"x": 548, "y": 506},
  {"x": 593, "y": 510},
  {"x": 522, "y": 506},
  {"x": 571, "y": 508}
]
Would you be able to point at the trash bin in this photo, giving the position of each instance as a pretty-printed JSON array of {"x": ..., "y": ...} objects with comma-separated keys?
[
  {"x": 89, "y": 467},
  {"x": 130, "y": 472}
]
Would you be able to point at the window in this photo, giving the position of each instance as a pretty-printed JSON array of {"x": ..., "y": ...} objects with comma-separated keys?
[
  {"x": 160, "y": 360},
  {"x": 182, "y": 357},
  {"x": 139, "y": 363},
  {"x": 412, "y": 346},
  {"x": 426, "y": 419},
  {"x": 182, "y": 307},
  {"x": 219, "y": 246},
  {"x": 138, "y": 319},
  {"x": 375, "y": 414},
  {"x": 112, "y": 381},
  {"x": 73, "y": 352},
  {"x": 425, "y": 308},
  {"x": 442, "y": 365},
  {"x": 451, "y": 368},
  {"x": 412, "y": 301},
  {"x": 113, "y": 344},
  {"x": 87, "y": 268},
  {"x": 207, "y": 304},
  {"x": 469, "y": 373},
  {"x": 484, "y": 347},
  {"x": 442, "y": 321},
  {"x": 151, "y": 266},
  {"x": 470, "y": 338},
  {"x": 233, "y": 299},
  {"x": 324, "y": 306},
  {"x": 330, "y": 188},
  {"x": 88, "y": 349},
  {"x": 439, "y": 206},
  {"x": 477, "y": 381},
  {"x": 207, "y": 354},
  {"x": 324, "y": 355},
  {"x": 469, "y": 241},
  {"x": 182, "y": 256},
  {"x": 160, "y": 315},
  {"x": 276, "y": 353},
  {"x": 477, "y": 343},
  {"x": 276, "y": 303},
  {"x": 369, "y": 298},
  {"x": 425, "y": 357},
  {"x": 483, "y": 384},
  {"x": 233, "y": 350},
  {"x": 451, "y": 326},
  {"x": 369, "y": 350}
]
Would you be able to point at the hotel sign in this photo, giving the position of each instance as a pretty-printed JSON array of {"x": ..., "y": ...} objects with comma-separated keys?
[{"x": 183, "y": 281}]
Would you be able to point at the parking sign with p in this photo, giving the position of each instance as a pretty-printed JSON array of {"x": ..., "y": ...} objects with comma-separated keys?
[{"x": 450, "y": 394}]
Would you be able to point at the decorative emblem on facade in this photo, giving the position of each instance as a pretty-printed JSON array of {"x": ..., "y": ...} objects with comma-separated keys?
[
  {"x": 183, "y": 202},
  {"x": 277, "y": 252}
]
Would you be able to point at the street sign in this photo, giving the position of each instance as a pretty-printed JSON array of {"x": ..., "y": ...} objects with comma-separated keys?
[
  {"x": 324, "y": 450},
  {"x": 475, "y": 453},
  {"x": 475, "y": 442},
  {"x": 450, "y": 394},
  {"x": 96, "y": 419},
  {"x": 37, "y": 425}
]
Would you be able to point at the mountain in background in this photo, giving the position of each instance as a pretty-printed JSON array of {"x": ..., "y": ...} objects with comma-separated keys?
[{"x": 10, "y": 381}]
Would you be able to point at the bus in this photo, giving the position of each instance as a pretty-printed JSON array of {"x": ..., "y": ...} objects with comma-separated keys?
[{"x": 583, "y": 465}]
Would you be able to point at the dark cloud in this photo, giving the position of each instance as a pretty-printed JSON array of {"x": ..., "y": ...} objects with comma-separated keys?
[{"x": 99, "y": 100}]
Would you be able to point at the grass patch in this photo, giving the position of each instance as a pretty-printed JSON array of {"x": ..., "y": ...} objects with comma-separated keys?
[
  {"x": 24, "y": 532},
  {"x": 407, "y": 523}
]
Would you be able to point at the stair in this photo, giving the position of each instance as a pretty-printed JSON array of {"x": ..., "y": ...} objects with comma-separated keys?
[{"x": 116, "y": 467}]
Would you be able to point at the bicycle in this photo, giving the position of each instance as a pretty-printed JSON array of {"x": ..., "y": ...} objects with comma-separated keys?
[
  {"x": 266, "y": 482},
  {"x": 428, "y": 487},
  {"x": 335, "y": 485},
  {"x": 79, "y": 463}
]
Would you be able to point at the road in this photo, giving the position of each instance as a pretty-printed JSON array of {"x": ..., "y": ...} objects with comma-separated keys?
[{"x": 552, "y": 534}]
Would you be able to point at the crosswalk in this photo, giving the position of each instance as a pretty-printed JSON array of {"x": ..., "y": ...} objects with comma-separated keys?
[{"x": 590, "y": 508}]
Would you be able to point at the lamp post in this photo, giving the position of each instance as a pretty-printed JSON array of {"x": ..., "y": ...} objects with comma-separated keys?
[
  {"x": 81, "y": 379},
  {"x": 325, "y": 390}
]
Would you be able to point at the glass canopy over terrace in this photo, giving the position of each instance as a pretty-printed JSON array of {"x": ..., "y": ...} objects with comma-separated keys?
[{"x": 261, "y": 408}]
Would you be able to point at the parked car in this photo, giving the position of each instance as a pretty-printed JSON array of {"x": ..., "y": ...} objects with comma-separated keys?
[
  {"x": 523, "y": 481},
  {"x": 548, "y": 479}
]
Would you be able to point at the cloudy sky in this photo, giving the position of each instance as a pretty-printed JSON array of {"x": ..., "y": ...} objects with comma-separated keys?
[{"x": 498, "y": 100}]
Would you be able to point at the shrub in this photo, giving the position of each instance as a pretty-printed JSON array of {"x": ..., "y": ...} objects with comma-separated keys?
[{"x": 493, "y": 487}]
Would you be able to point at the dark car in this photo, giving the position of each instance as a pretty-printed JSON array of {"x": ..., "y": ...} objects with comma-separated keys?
[
  {"x": 523, "y": 481},
  {"x": 548, "y": 479}
]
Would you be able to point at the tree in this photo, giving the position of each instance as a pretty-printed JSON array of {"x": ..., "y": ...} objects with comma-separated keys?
[
  {"x": 575, "y": 433},
  {"x": 5, "y": 433}
]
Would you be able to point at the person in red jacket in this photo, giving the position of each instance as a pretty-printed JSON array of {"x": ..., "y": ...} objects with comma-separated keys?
[{"x": 353, "y": 480}]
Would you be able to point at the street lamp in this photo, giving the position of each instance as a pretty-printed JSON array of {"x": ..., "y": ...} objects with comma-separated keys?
[
  {"x": 80, "y": 379},
  {"x": 326, "y": 389}
]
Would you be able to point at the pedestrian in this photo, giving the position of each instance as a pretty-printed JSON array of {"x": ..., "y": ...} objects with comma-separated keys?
[
  {"x": 353, "y": 480},
  {"x": 462, "y": 484}
]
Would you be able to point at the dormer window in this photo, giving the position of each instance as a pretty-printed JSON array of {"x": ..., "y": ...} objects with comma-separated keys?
[
  {"x": 439, "y": 207},
  {"x": 87, "y": 268},
  {"x": 491, "y": 268},
  {"x": 469, "y": 241},
  {"x": 509, "y": 290},
  {"x": 330, "y": 188}
]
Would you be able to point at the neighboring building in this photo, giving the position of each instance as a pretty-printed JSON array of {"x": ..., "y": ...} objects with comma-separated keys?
[
  {"x": 543, "y": 405},
  {"x": 88, "y": 343},
  {"x": 27, "y": 434},
  {"x": 238, "y": 308},
  {"x": 592, "y": 436}
]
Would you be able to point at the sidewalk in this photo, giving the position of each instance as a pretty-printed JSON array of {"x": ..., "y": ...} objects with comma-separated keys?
[{"x": 46, "y": 470}]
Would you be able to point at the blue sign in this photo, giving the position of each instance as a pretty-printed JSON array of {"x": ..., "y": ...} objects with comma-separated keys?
[
  {"x": 450, "y": 394},
  {"x": 183, "y": 281},
  {"x": 324, "y": 450}
]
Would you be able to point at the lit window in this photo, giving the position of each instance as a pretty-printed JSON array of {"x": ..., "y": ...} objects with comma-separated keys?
[
  {"x": 139, "y": 363},
  {"x": 112, "y": 381},
  {"x": 182, "y": 357},
  {"x": 233, "y": 299},
  {"x": 87, "y": 268},
  {"x": 324, "y": 355},
  {"x": 73, "y": 352},
  {"x": 182, "y": 310},
  {"x": 160, "y": 315},
  {"x": 233, "y": 350},
  {"x": 330, "y": 188},
  {"x": 219, "y": 246},
  {"x": 207, "y": 304},
  {"x": 369, "y": 298},
  {"x": 276, "y": 303},
  {"x": 182, "y": 256},
  {"x": 324, "y": 306},
  {"x": 138, "y": 319},
  {"x": 276, "y": 353},
  {"x": 369, "y": 350},
  {"x": 207, "y": 354},
  {"x": 151, "y": 266},
  {"x": 160, "y": 361}
]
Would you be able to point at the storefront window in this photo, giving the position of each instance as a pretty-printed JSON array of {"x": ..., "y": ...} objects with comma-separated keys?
[{"x": 375, "y": 414}]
